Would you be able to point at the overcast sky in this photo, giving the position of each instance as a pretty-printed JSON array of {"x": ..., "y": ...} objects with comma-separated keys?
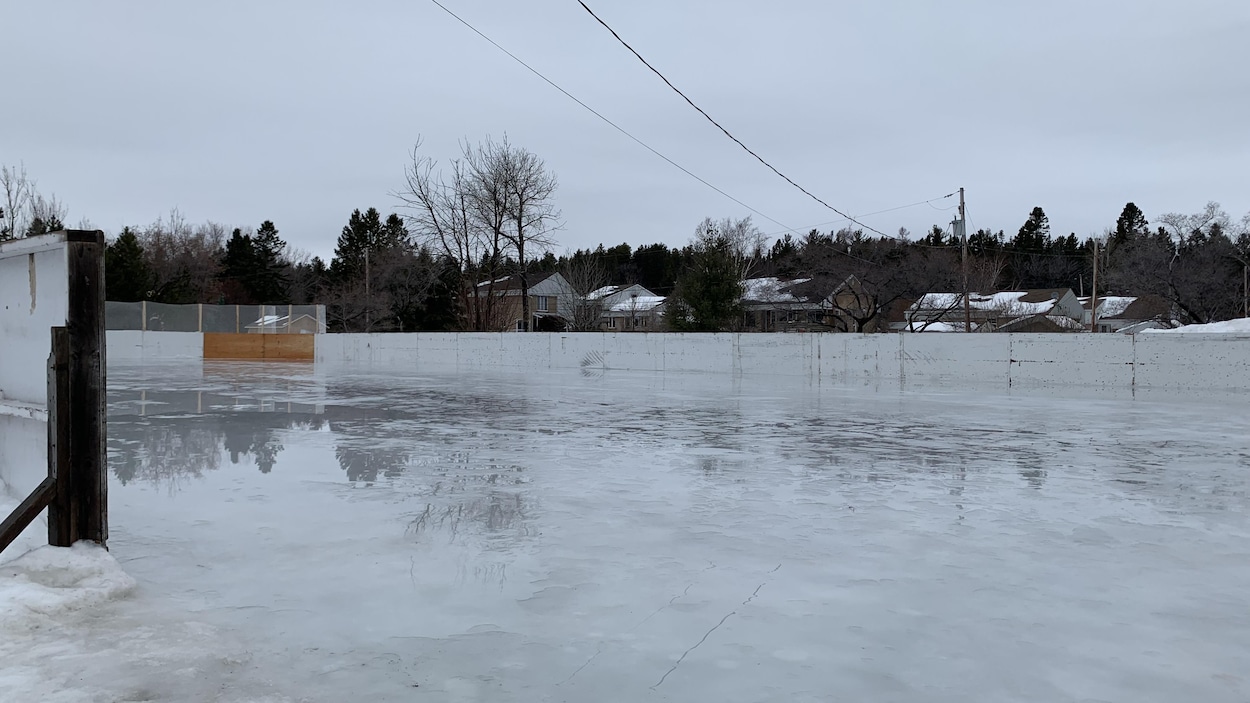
[{"x": 300, "y": 112}]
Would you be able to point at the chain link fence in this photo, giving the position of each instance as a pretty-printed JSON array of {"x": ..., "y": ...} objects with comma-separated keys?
[{"x": 241, "y": 319}]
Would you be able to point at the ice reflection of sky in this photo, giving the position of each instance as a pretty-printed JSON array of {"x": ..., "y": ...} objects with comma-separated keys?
[{"x": 525, "y": 536}]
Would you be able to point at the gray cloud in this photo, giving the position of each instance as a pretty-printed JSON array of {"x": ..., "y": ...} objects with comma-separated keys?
[{"x": 300, "y": 112}]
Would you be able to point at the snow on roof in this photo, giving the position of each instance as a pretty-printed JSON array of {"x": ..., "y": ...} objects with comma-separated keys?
[
  {"x": 1008, "y": 301},
  {"x": 1066, "y": 322},
  {"x": 602, "y": 292},
  {"x": 269, "y": 320},
  {"x": 641, "y": 303},
  {"x": 1238, "y": 326},
  {"x": 769, "y": 289},
  {"x": 1110, "y": 305},
  {"x": 936, "y": 327}
]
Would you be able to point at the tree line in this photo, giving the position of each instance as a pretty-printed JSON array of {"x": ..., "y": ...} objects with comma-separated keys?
[{"x": 489, "y": 214}]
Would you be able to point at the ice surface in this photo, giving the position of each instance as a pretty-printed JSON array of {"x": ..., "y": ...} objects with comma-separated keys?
[{"x": 404, "y": 534}]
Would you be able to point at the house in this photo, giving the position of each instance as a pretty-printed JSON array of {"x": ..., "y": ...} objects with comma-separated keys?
[
  {"x": 501, "y": 307},
  {"x": 771, "y": 304},
  {"x": 285, "y": 324},
  {"x": 629, "y": 308},
  {"x": 1130, "y": 314},
  {"x": 991, "y": 311}
]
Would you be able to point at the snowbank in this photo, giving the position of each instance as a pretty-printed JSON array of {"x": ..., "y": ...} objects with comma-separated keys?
[
  {"x": 51, "y": 581},
  {"x": 1238, "y": 326}
]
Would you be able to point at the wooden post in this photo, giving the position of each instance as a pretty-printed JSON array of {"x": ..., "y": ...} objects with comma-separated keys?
[
  {"x": 1093, "y": 294},
  {"x": 61, "y": 522},
  {"x": 88, "y": 458}
]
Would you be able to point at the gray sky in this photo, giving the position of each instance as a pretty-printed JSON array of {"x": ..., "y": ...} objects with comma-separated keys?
[{"x": 300, "y": 112}]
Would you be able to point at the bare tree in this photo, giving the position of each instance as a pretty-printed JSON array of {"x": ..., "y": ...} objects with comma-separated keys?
[
  {"x": 585, "y": 274},
  {"x": 492, "y": 202},
  {"x": 513, "y": 191},
  {"x": 184, "y": 258},
  {"x": 743, "y": 240},
  {"x": 443, "y": 216},
  {"x": 17, "y": 192}
]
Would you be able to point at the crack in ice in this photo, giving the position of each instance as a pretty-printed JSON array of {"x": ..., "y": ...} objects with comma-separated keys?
[{"x": 696, "y": 646}]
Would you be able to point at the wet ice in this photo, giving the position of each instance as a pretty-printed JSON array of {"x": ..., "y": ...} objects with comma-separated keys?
[{"x": 404, "y": 534}]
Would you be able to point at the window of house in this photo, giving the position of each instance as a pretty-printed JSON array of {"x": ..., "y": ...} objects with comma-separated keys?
[
  {"x": 642, "y": 322},
  {"x": 520, "y": 325},
  {"x": 543, "y": 303},
  {"x": 815, "y": 316},
  {"x": 611, "y": 323}
]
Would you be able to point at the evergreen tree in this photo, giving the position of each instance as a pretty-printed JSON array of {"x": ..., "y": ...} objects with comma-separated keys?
[
  {"x": 1034, "y": 234},
  {"x": 127, "y": 277},
  {"x": 1130, "y": 225},
  {"x": 40, "y": 226},
  {"x": 708, "y": 295},
  {"x": 267, "y": 281},
  {"x": 237, "y": 266},
  {"x": 365, "y": 233}
]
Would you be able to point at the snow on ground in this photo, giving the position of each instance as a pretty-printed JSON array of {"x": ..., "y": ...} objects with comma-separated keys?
[
  {"x": 410, "y": 535},
  {"x": 1238, "y": 326}
]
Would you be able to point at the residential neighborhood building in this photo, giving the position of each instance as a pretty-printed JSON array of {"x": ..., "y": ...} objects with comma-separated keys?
[
  {"x": 1039, "y": 310},
  {"x": 1130, "y": 314},
  {"x": 285, "y": 324},
  {"x": 551, "y": 303},
  {"x": 627, "y": 308}
]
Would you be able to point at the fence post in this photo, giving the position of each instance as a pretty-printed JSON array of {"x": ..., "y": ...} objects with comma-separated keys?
[
  {"x": 200, "y": 306},
  {"x": 236, "y": 319},
  {"x": 61, "y": 522},
  {"x": 143, "y": 310},
  {"x": 77, "y": 456}
]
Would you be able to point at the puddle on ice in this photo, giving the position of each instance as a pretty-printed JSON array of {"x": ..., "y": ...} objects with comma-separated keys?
[{"x": 390, "y": 534}]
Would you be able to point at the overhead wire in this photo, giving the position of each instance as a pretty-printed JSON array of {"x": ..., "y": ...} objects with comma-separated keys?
[
  {"x": 727, "y": 133},
  {"x": 600, "y": 115},
  {"x": 880, "y": 212}
]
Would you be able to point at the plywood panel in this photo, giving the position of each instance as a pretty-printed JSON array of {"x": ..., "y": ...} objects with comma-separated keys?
[{"x": 259, "y": 347}]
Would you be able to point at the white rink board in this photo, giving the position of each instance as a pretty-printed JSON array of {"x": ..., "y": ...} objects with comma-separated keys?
[
  {"x": 34, "y": 295},
  {"x": 1049, "y": 360}
]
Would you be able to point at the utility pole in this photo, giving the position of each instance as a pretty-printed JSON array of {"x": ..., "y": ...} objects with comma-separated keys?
[
  {"x": 1093, "y": 293},
  {"x": 963, "y": 230}
]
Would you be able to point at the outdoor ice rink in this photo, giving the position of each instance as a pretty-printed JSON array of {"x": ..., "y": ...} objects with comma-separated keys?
[{"x": 395, "y": 534}]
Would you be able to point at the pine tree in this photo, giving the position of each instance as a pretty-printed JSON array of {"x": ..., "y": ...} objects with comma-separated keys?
[
  {"x": 1034, "y": 234},
  {"x": 1130, "y": 225},
  {"x": 708, "y": 296},
  {"x": 267, "y": 281},
  {"x": 127, "y": 277},
  {"x": 237, "y": 264}
]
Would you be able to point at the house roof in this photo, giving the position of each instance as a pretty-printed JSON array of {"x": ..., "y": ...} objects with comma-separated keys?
[
  {"x": 770, "y": 289},
  {"x": 603, "y": 292},
  {"x": 641, "y": 303},
  {"x": 279, "y": 320},
  {"x": 1015, "y": 302},
  {"x": 513, "y": 282},
  {"x": 897, "y": 310},
  {"x": 1124, "y": 307},
  {"x": 1144, "y": 307}
]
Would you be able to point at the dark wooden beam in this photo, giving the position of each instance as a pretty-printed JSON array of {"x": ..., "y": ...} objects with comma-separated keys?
[
  {"x": 26, "y": 512},
  {"x": 62, "y": 525},
  {"x": 88, "y": 459}
]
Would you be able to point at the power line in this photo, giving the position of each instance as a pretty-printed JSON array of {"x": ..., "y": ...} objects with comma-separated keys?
[
  {"x": 614, "y": 125},
  {"x": 722, "y": 129},
  {"x": 928, "y": 202}
]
